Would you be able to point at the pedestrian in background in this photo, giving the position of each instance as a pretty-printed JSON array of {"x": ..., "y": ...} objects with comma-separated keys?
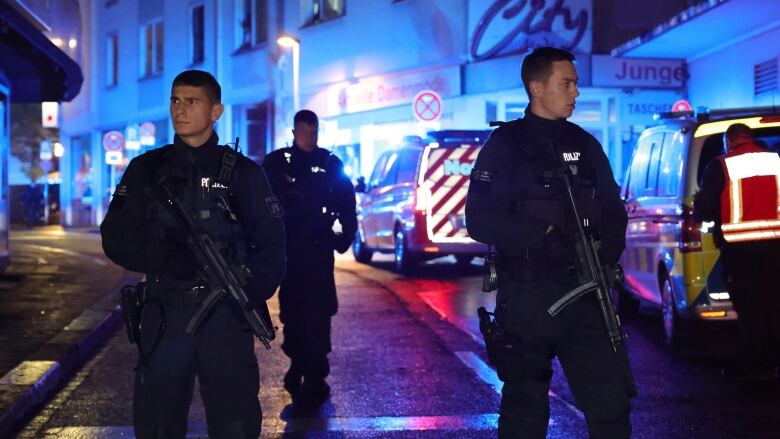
[
  {"x": 518, "y": 203},
  {"x": 740, "y": 193},
  {"x": 314, "y": 192},
  {"x": 141, "y": 234}
]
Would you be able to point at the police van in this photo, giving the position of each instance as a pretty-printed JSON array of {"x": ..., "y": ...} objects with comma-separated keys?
[
  {"x": 670, "y": 259},
  {"x": 413, "y": 204}
]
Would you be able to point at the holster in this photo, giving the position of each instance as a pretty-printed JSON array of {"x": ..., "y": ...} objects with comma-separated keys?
[
  {"x": 131, "y": 300},
  {"x": 490, "y": 273},
  {"x": 496, "y": 340}
]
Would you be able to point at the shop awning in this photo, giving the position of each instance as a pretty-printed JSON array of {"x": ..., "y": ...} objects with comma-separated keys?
[
  {"x": 710, "y": 26},
  {"x": 37, "y": 70}
]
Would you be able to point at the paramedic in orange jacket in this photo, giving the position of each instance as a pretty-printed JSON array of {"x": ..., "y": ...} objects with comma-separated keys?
[{"x": 740, "y": 192}]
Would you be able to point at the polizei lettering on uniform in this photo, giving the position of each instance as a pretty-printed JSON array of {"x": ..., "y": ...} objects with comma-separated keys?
[
  {"x": 571, "y": 156},
  {"x": 205, "y": 182},
  {"x": 455, "y": 167}
]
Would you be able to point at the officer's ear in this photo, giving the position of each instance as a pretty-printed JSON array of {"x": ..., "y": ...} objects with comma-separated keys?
[
  {"x": 536, "y": 88},
  {"x": 216, "y": 111}
]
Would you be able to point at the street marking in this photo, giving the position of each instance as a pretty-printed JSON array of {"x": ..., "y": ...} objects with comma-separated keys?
[
  {"x": 488, "y": 421},
  {"x": 489, "y": 376}
]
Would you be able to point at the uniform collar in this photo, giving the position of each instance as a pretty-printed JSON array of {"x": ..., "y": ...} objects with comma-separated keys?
[
  {"x": 211, "y": 143},
  {"x": 542, "y": 125}
]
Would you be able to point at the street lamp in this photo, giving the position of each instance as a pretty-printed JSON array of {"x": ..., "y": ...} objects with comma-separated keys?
[{"x": 287, "y": 42}]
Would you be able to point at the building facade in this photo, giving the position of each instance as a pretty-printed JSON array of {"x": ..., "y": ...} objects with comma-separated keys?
[{"x": 374, "y": 71}]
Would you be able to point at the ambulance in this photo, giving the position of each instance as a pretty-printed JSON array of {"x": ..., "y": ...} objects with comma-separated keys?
[
  {"x": 413, "y": 204},
  {"x": 670, "y": 260}
]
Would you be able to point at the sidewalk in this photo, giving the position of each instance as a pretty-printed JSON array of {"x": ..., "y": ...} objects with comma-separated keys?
[{"x": 58, "y": 302}]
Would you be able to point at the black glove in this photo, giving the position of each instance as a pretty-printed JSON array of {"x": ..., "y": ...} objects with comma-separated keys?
[{"x": 341, "y": 242}]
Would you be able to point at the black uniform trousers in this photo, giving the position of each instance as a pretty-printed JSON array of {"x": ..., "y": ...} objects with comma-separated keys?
[
  {"x": 307, "y": 301},
  {"x": 751, "y": 275},
  {"x": 599, "y": 378},
  {"x": 221, "y": 355}
]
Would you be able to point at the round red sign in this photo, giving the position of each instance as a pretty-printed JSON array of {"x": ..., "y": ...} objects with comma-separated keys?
[
  {"x": 682, "y": 105},
  {"x": 427, "y": 105},
  {"x": 113, "y": 141}
]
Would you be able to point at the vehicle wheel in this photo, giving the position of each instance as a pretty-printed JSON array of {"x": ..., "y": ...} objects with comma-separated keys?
[
  {"x": 404, "y": 261},
  {"x": 624, "y": 303},
  {"x": 359, "y": 250},
  {"x": 674, "y": 326}
]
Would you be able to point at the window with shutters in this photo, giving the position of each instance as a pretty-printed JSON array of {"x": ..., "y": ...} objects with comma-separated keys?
[{"x": 765, "y": 77}]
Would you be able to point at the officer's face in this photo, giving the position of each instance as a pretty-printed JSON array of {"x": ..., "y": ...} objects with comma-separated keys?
[
  {"x": 305, "y": 135},
  {"x": 555, "y": 98},
  {"x": 193, "y": 114}
]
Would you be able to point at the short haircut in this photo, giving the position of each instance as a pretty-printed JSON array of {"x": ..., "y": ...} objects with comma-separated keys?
[
  {"x": 200, "y": 78},
  {"x": 739, "y": 131},
  {"x": 307, "y": 117},
  {"x": 537, "y": 66}
]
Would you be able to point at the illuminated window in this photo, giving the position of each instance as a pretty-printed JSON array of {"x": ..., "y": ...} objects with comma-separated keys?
[
  {"x": 112, "y": 59},
  {"x": 151, "y": 43},
  {"x": 251, "y": 23},
  {"x": 319, "y": 11},
  {"x": 197, "y": 21}
]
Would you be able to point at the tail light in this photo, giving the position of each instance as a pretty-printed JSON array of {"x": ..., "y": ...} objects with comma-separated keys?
[{"x": 690, "y": 236}]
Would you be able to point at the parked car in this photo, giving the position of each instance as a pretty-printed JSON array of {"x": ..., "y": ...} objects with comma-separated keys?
[
  {"x": 413, "y": 204},
  {"x": 670, "y": 259}
]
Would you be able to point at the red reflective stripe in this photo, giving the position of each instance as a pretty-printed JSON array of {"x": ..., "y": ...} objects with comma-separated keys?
[
  {"x": 444, "y": 220},
  {"x": 453, "y": 190},
  {"x": 440, "y": 161}
]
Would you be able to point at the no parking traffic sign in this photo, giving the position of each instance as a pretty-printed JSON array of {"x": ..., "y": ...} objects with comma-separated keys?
[{"x": 427, "y": 106}]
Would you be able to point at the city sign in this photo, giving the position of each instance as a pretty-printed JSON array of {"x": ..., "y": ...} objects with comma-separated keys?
[
  {"x": 506, "y": 27},
  {"x": 45, "y": 152},
  {"x": 49, "y": 114},
  {"x": 148, "y": 133},
  {"x": 113, "y": 157},
  {"x": 133, "y": 137},
  {"x": 427, "y": 106},
  {"x": 113, "y": 141}
]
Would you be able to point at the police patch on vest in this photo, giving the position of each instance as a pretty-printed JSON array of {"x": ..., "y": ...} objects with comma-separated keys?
[
  {"x": 481, "y": 180},
  {"x": 121, "y": 191},
  {"x": 274, "y": 208},
  {"x": 571, "y": 156}
]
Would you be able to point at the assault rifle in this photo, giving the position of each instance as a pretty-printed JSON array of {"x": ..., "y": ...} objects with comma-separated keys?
[
  {"x": 594, "y": 276},
  {"x": 222, "y": 279}
]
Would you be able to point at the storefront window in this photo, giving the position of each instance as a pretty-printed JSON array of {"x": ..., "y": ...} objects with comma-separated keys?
[{"x": 83, "y": 178}]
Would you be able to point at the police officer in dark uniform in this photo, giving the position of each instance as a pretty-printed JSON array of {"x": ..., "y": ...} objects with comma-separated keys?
[
  {"x": 314, "y": 192},
  {"x": 518, "y": 203},
  {"x": 141, "y": 233}
]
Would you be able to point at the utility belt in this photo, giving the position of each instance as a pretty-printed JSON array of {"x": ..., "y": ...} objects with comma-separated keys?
[
  {"x": 187, "y": 293},
  {"x": 535, "y": 266}
]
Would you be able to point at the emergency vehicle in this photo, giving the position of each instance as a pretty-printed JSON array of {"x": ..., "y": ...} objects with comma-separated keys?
[
  {"x": 414, "y": 202},
  {"x": 671, "y": 260}
]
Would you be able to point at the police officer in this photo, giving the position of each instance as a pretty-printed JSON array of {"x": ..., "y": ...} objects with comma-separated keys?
[
  {"x": 314, "y": 192},
  {"x": 518, "y": 203},
  {"x": 740, "y": 193},
  {"x": 141, "y": 233}
]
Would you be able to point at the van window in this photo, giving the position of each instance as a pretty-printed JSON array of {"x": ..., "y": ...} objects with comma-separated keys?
[
  {"x": 390, "y": 170},
  {"x": 408, "y": 160},
  {"x": 670, "y": 171},
  {"x": 637, "y": 177},
  {"x": 656, "y": 145},
  {"x": 376, "y": 174},
  {"x": 712, "y": 148}
]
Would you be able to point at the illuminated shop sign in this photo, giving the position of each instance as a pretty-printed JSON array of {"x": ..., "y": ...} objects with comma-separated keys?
[
  {"x": 505, "y": 27},
  {"x": 638, "y": 72},
  {"x": 375, "y": 92}
]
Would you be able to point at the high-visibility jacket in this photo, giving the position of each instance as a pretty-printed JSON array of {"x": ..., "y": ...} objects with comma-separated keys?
[{"x": 750, "y": 201}]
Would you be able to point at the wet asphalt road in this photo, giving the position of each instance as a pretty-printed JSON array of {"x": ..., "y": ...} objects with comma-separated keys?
[{"x": 407, "y": 362}]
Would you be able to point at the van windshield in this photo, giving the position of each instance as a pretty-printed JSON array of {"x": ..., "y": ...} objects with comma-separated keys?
[{"x": 713, "y": 146}]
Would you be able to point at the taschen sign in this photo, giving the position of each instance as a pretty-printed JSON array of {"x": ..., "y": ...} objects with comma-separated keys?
[{"x": 506, "y": 27}]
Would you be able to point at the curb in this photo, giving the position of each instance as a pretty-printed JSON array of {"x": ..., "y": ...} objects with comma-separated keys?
[{"x": 76, "y": 344}]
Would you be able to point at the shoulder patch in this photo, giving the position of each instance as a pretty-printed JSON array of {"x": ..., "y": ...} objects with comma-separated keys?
[
  {"x": 121, "y": 191},
  {"x": 274, "y": 208}
]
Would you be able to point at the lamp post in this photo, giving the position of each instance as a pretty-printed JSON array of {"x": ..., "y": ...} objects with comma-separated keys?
[{"x": 288, "y": 41}]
